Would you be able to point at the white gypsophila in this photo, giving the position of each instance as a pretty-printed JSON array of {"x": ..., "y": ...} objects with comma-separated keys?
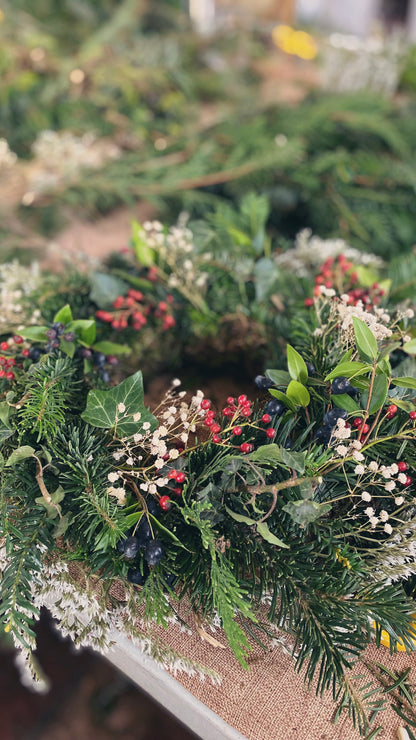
[
  {"x": 390, "y": 486},
  {"x": 341, "y": 431},
  {"x": 388, "y": 528},
  {"x": 342, "y": 450},
  {"x": 369, "y": 511},
  {"x": 17, "y": 282},
  {"x": 402, "y": 478},
  {"x": 311, "y": 251},
  {"x": 372, "y": 466},
  {"x": 366, "y": 496},
  {"x": 7, "y": 158},
  {"x": 399, "y": 500},
  {"x": 375, "y": 319}
]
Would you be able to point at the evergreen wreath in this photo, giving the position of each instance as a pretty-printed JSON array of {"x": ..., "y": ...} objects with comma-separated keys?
[{"x": 301, "y": 499}]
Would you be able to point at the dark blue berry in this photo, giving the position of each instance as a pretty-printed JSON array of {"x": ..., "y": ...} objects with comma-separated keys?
[
  {"x": 262, "y": 382},
  {"x": 86, "y": 353},
  {"x": 332, "y": 416},
  {"x": 288, "y": 444},
  {"x": 342, "y": 385},
  {"x": 134, "y": 575},
  {"x": 310, "y": 368},
  {"x": 274, "y": 407},
  {"x": 323, "y": 435},
  {"x": 35, "y": 353},
  {"x": 105, "y": 376},
  {"x": 69, "y": 336},
  {"x": 120, "y": 545},
  {"x": 131, "y": 547},
  {"x": 143, "y": 532},
  {"x": 152, "y": 507},
  {"x": 154, "y": 552},
  {"x": 99, "y": 359},
  {"x": 51, "y": 333},
  {"x": 58, "y": 326}
]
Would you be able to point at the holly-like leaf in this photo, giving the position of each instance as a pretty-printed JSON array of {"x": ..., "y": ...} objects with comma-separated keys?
[
  {"x": 240, "y": 517},
  {"x": 410, "y": 347},
  {"x": 267, "y": 455},
  {"x": 365, "y": 340},
  {"x": 298, "y": 393},
  {"x": 64, "y": 315},
  {"x": 294, "y": 460},
  {"x": 304, "y": 512},
  {"x": 53, "y": 508},
  {"x": 5, "y": 431},
  {"x": 296, "y": 365},
  {"x": 264, "y": 531},
  {"x": 103, "y": 408},
  {"x": 106, "y": 288},
  {"x": 20, "y": 453}
]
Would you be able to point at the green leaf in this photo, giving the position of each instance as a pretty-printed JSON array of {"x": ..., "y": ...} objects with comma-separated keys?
[
  {"x": 52, "y": 509},
  {"x": 102, "y": 408},
  {"x": 295, "y": 460},
  {"x": 67, "y": 347},
  {"x": 304, "y": 512},
  {"x": 34, "y": 333},
  {"x": 279, "y": 377},
  {"x": 265, "y": 273},
  {"x": 111, "y": 348},
  {"x": 5, "y": 431},
  {"x": 349, "y": 370},
  {"x": 410, "y": 347},
  {"x": 240, "y": 517},
  {"x": 85, "y": 329},
  {"x": 106, "y": 288},
  {"x": 298, "y": 393},
  {"x": 5, "y": 412},
  {"x": 264, "y": 531},
  {"x": 64, "y": 315},
  {"x": 405, "y": 382},
  {"x": 378, "y": 395},
  {"x": 20, "y": 453},
  {"x": 267, "y": 454},
  {"x": 344, "y": 401},
  {"x": 145, "y": 254},
  {"x": 365, "y": 340},
  {"x": 296, "y": 366},
  {"x": 283, "y": 398},
  {"x": 62, "y": 525},
  {"x": 168, "y": 532}
]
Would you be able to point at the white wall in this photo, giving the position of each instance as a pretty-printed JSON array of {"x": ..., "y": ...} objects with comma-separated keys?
[{"x": 346, "y": 16}]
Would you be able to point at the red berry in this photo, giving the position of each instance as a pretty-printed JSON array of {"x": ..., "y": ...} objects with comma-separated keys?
[
  {"x": 402, "y": 466},
  {"x": 208, "y": 421},
  {"x": 177, "y": 491},
  {"x": 246, "y": 447},
  {"x": 2, "y": 373},
  {"x": 365, "y": 428},
  {"x": 237, "y": 431},
  {"x": 227, "y": 411},
  {"x": 357, "y": 422},
  {"x": 242, "y": 399},
  {"x": 165, "y": 503},
  {"x": 408, "y": 481},
  {"x": 136, "y": 294},
  {"x": 205, "y": 403},
  {"x": 210, "y": 415},
  {"x": 230, "y": 400},
  {"x": 391, "y": 411},
  {"x": 266, "y": 418},
  {"x": 104, "y": 316},
  {"x": 216, "y": 438},
  {"x": 10, "y": 375},
  {"x": 119, "y": 302},
  {"x": 270, "y": 432},
  {"x": 180, "y": 477},
  {"x": 412, "y": 415},
  {"x": 168, "y": 322},
  {"x": 17, "y": 339},
  {"x": 10, "y": 362},
  {"x": 173, "y": 474},
  {"x": 215, "y": 428},
  {"x": 25, "y": 352},
  {"x": 4, "y": 346},
  {"x": 308, "y": 302},
  {"x": 246, "y": 412}
]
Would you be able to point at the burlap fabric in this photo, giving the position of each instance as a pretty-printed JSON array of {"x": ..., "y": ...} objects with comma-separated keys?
[{"x": 271, "y": 700}]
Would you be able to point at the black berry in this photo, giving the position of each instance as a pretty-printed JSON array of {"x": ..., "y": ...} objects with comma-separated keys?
[
  {"x": 134, "y": 575},
  {"x": 154, "y": 552},
  {"x": 262, "y": 382},
  {"x": 274, "y": 407},
  {"x": 131, "y": 547}
]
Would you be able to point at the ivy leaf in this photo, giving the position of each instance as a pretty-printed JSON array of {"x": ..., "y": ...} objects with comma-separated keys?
[
  {"x": 64, "y": 315},
  {"x": 279, "y": 377},
  {"x": 296, "y": 366},
  {"x": 405, "y": 382},
  {"x": 111, "y": 348},
  {"x": 378, "y": 394},
  {"x": 349, "y": 370},
  {"x": 267, "y": 454},
  {"x": 5, "y": 431},
  {"x": 102, "y": 408},
  {"x": 62, "y": 525},
  {"x": 298, "y": 393},
  {"x": 106, "y": 288},
  {"x": 304, "y": 512},
  {"x": 52, "y": 509},
  {"x": 283, "y": 398},
  {"x": 294, "y": 460},
  {"x": 365, "y": 340},
  {"x": 264, "y": 531},
  {"x": 20, "y": 453}
]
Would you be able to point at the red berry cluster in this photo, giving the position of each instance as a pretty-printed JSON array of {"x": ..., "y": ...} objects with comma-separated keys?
[
  {"x": 178, "y": 478},
  {"x": 133, "y": 310},
  {"x": 8, "y": 362},
  {"x": 340, "y": 274},
  {"x": 237, "y": 410}
]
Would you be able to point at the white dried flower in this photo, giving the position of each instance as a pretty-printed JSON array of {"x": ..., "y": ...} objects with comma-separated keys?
[
  {"x": 388, "y": 528},
  {"x": 113, "y": 476},
  {"x": 366, "y": 496},
  {"x": 399, "y": 500},
  {"x": 121, "y": 408},
  {"x": 359, "y": 470}
]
